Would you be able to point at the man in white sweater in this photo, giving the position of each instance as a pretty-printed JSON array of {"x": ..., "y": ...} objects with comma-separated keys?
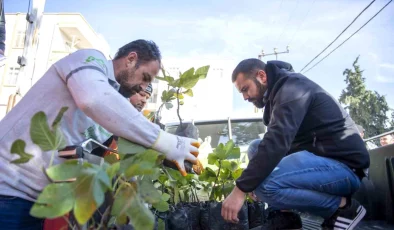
[{"x": 95, "y": 90}]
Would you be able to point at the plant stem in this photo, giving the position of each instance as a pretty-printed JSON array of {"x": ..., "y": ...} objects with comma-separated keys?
[
  {"x": 107, "y": 214},
  {"x": 52, "y": 158},
  {"x": 68, "y": 222},
  {"x": 177, "y": 99},
  {"x": 216, "y": 180},
  {"x": 116, "y": 183},
  {"x": 158, "y": 113}
]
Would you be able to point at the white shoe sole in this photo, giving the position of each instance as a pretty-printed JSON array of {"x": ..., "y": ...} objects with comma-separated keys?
[{"x": 360, "y": 215}]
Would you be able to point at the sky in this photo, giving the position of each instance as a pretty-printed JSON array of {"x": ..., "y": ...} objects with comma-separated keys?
[{"x": 235, "y": 30}]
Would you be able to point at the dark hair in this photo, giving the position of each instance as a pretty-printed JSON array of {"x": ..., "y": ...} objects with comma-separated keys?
[
  {"x": 146, "y": 51},
  {"x": 247, "y": 67}
]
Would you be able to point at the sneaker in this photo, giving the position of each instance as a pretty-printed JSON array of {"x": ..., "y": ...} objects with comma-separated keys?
[
  {"x": 278, "y": 220},
  {"x": 347, "y": 218}
]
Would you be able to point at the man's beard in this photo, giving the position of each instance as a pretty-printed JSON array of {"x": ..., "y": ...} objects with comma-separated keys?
[
  {"x": 127, "y": 89},
  {"x": 138, "y": 107},
  {"x": 259, "y": 100}
]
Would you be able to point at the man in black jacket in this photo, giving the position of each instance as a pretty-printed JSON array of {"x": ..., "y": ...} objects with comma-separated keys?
[{"x": 312, "y": 157}]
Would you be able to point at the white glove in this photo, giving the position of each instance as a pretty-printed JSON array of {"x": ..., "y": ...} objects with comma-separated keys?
[{"x": 177, "y": 149}]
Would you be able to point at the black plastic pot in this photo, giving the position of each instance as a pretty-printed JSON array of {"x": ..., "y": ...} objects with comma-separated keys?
[
  {"x": 256, "y": 214},
  {"x": 211, "y": 218}
]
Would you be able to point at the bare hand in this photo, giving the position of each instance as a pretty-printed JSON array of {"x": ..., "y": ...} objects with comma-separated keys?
[
  {"x": 253, "y": 196},
  {"x": 232, "y": 204}
]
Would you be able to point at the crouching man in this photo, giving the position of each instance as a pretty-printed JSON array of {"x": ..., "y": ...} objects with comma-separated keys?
[{"x": 312, "y": 157}]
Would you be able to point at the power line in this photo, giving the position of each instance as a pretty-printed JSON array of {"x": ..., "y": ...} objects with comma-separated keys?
[
  {"x": 303, "y": 20},
  {"x": 287, "y": 23},
  {"x": 339, "y": 35},
  {"x": 350, "y": 36}
]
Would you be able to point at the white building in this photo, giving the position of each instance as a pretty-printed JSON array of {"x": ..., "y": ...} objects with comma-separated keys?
[
  {"x": 213, "y": 96},
  {"x": 60, "y": 34}
]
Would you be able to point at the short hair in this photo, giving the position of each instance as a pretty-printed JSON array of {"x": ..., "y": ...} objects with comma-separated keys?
[
  {"x": 247, "y": 67},
  {"x": 146, "y": 50},
  {"x": 360, "y": 128}
]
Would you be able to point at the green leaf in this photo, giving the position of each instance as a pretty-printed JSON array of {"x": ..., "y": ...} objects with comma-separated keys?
[
  {"x": 111, "y": 159},
  {"x": 228, "y": 188},
  {"x": 162, "y": 178},
  {"x": 176, "y": 83},
  {"x": 226, "y": 164},
  {"x": 235, "y": 153},
  {"x": 113, "y": 170},
  {"x": 220, "y": 152},
  {"x": 225, "y": 174},
  {"x": 67, "y": 170},
  {"x": 169, "y": 79},
  {"x": 168, "y": 96},
  {"x": 160, "y": 78},
  {"x": 89, "y": 193},
  {"x": 161, "y": 206},
  {"x": 128, "y": 202},
  {"x": 208, "y": 175},
  {"x": 164, "y": 95},
  {"x": 237, "y": 173},
  {"x": 122, "y": 219},
  {"x": 140, "y": 164},
  {"x": 180, "y": 96},
  {"x": 56, "y": 122},
  {"x": 234, "y": 166},
  {"x": 161, "y": 224},
  {"x": 176, "y": 176},
  {"x": 212, "y": 158},
  {"x": 148, "y": 192},
  {"x": 128, "y": 147},
  {"x": 189, "y": 82},
  {"x": 18, "y": 147},
  {"x": 189, "y": 92},
  {"x": 229, "y": 146},
  {"x": 42, "y": 136},
  {"x": 202, "y": 72},
  {"x": 168, "y": 105},
  {"x": 54, "y": 201},
  {"x": 181, "y": 102},
  {"x": 187, "y": 74},
  {"x": 231, "y": 151},
  {"x": 165, "y": 196},
  {"x": 143, "y": 168}
]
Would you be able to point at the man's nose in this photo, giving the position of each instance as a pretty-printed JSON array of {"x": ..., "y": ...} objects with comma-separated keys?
[
  {"x": 246, "y": 96},
  {"x": 144, "y": 85}
]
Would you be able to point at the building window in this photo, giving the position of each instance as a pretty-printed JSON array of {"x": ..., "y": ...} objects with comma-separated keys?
[
  {"x": 12, "y": 76},
  {"x": 153, "y": 99},
  {"x": 20, "y": 39}
]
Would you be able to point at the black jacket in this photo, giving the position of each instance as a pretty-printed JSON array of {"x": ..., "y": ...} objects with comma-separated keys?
[{"x": 301, "y": 115}]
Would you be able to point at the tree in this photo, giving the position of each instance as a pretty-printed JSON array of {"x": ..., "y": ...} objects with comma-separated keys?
[{"x": 366, "y": 107}]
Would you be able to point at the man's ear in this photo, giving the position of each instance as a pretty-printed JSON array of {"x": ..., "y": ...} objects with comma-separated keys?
[
  {"x": 131, "y": 59},
  {"x": 262, "y": 77}
]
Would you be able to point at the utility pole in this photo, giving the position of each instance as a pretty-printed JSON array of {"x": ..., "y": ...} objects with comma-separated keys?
[
  {"x": 27, "y": 60},
  {"x": 276, "y": 53}
]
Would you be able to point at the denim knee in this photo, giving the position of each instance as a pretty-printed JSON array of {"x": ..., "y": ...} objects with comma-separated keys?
[
  {"x": 253, "y": 148},
  {"x": 269, "y": 192}
]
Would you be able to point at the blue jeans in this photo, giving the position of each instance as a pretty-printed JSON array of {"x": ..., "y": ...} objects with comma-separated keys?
[
  {"x": 308, "y": 183},
  {"x": 14, "y": 214}
]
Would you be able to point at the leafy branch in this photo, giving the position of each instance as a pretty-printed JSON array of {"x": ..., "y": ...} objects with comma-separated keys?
[{"x": 180, "y": 87}]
